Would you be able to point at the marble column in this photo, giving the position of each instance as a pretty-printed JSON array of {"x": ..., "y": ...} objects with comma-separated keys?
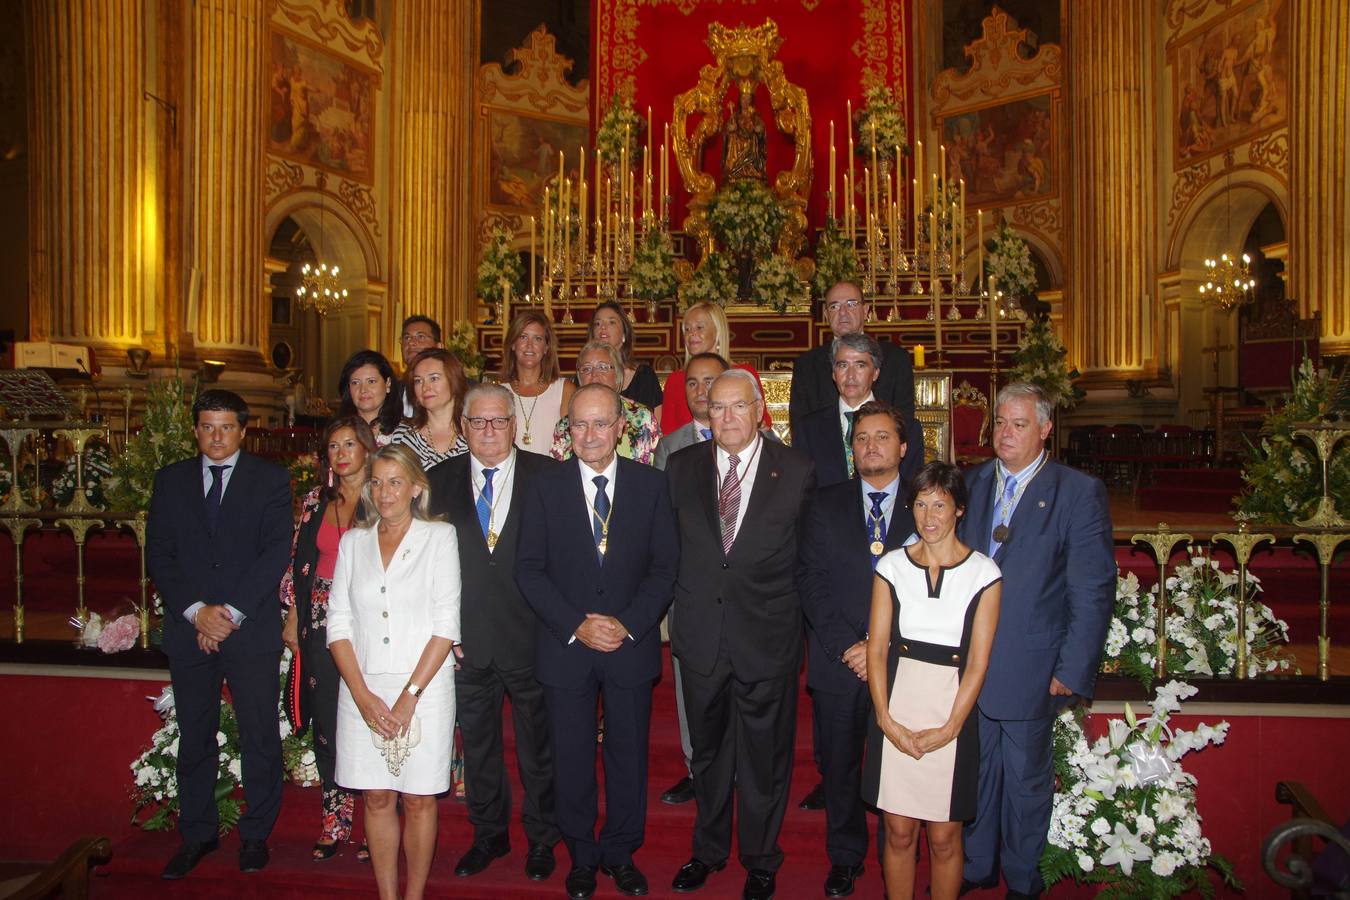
[
  {"x": 1113, "y": 141},
  {"x": 226, "y": 313},
  {"x": 432, "y": 239},
  {"x": 1319, "y": 166},
  {"x": 93, "y": 234}
]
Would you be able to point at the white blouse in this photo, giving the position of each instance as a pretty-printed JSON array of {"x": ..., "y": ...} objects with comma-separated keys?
[{"x": 390, "y": 614}]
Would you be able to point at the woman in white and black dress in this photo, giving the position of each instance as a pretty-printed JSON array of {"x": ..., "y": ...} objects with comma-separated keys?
[
  {"x": 934, "y": 612},
  {"x": 436, "y": 383},
  {"x": 393, "y": 617}
]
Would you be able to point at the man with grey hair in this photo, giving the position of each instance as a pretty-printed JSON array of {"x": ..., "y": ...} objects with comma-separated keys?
[
  {"x": 482, "y": 494},
  {"x": 738, "y": 630},
  {"x": 812, "y": 382},
  {"x": 826, "y": 435},
  {"x": 1049, "y": 529}
]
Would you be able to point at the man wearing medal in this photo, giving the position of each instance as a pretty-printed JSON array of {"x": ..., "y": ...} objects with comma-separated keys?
[
  {"x": 481, "y": 493},
  {"x": 1049, "y": 529},
  {"x": 596, "y": 561},
  {"x": 849, "y": 527}
]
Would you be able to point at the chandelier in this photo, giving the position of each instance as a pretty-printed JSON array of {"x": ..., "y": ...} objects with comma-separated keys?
[
  {"x": 1229, "y": 282},
  {"x": 319, "y": 288}
]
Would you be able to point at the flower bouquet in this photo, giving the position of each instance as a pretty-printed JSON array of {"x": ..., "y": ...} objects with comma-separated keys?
[
  {"x": 746, "y": 217},
  {"x": 1201, "y": 625},
  {"x": 156, "y": 770},
  {"x": 1124, "y": 809},
  {"x": 653, "y": 271},
  {"x": 776, "y": 284},
  {"x": 881, "y": 113},
  {"x": 711, "y": 281},
  {"x": 1009, "y": 261},
  {"x": 619, "y": 122},
  {"x": 97, "y": 466},
  {"x": 462, "y": 340},
  {"x": 165, "y": 437},
  {"x": 1041, "y": 359},
  {"x": 836, "y": 259},
  {"x": 499, "y": 268}
]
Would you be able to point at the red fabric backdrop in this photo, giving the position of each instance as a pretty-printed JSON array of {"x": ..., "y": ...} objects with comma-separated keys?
[{"x": 834, "y": 49}]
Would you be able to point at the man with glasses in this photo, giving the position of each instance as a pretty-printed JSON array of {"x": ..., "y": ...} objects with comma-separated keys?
[
  {"x": 419, "y": 333},
  {"x": 600, "y": 363},
  {"x": 482, "y": 493},
  {"x": 596, "y": 561},
  {"x": 812, "y": 382},
  {"x": 738, "y": 631}
]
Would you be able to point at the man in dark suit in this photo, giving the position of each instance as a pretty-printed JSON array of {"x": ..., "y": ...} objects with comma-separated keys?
[
  {"x": 825, "y": 434},
  {"x": 217, "y": 543},
  {"x": 596, "y": 560},
  {"x": 1049, "y": 529},
  {"x": 812, "y": 380},
  {"x": 737, "y": 631},
  {"x": 849, "y": 527},
  {"x": 482, "y": 494}
]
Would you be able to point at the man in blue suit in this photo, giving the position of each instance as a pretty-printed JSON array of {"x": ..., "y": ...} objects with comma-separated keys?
[
  {"x": 596, "y": 560},
  {"x": 217, "y": 542},
  {"x": 848, "y": 528},
  {"x": 1049, "y": 529}
]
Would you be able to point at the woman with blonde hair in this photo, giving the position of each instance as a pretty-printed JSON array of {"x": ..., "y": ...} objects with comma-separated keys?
[
  {"x": 530, "y": 371},
  {"x": 393, "y": 617},
  {"x": 705, "y": 330}
]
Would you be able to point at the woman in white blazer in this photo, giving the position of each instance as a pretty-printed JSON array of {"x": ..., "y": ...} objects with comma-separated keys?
[{"x": 393, "y": 616}]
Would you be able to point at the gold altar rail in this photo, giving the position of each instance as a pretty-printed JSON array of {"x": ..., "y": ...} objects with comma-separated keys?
[{"x": 20, "y": 514}]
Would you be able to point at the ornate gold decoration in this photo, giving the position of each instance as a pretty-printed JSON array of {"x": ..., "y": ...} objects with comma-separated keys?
[
  {"x": 17, "y": 528},
  {"x": 1178, "y": 11},
  {"x": 1324, "y": 437},
  {"x": 79, "y": 530},
  {"x": 1162, "y": 541},
  {"x": 282, "y": 176},
  {"x": 1325, "y": 544},
  {"x": 1243, "y": 544},
  {"x": 997, "y": 65},
  {"x": 14, "y": 439},
  {"x": 539, "y": 84},
  {"x": 359, "y": 199},
  {"x": 78, "y": 437},
  {"x": 745, "y": 55},
  {"x": 137, "y": 527},
  {"x": 330, "y": 23},
  {"x": 1188, "y": 183},
  {"x": 1043, "y": 216},
  {"x": 1271, "y": 151}
]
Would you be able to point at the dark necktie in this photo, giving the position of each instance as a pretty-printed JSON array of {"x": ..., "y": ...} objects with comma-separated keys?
[
  {"x": 214, "y": 494},
  {"x": 484, "y": 504},
  {"x": 600, "y": 517},
  {"x": 729, "y": 502},
  {"x": 877, "y": 527},
  {"x": 706, "y": 432},
  {"x": 848, "y": 442}
]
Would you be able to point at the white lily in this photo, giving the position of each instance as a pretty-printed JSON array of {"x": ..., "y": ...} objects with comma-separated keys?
[{"x": 1124, "y": 849}]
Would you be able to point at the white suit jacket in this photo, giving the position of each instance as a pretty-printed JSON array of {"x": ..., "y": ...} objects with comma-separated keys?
[{"x": 389, "y": 615}]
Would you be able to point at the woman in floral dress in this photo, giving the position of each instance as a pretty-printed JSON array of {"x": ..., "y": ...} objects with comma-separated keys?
[
  {"x": 326, "y": 514},
  {"x": 600, "y": 363}
]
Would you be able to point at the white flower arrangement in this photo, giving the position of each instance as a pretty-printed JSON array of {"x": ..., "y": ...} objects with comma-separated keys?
[
  {"x": 1009, "y": 261},
  {"x": 711, "y": 281},
  {"x": 1124, "y": 809},
  {"x": 97, "y": 466},
  {"x": 880, "y": 109},
  {"x": 499, "y": 266},
  {"x": 776, "y": 284},
  {"x": 1201, "y": 625},
  {"x": 652, "y": 275},
  {"x": 156, "y": 769},
  {"x": 944, "y": 219},
  {"x": 746, "y": 217},
  {"x": 1042, "y": 360},
  {"x": 620, "y": 121},
  {"x": 836, "y": 259}
]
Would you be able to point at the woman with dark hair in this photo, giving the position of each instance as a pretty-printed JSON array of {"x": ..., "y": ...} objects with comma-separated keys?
[
  {"x": 637, "y": 381},
  {"x": 436, "y": 383},
  {"x": 934, "y": 612},
  {"x": 326, "y": 513},
  {"x": 366, "y": 389},
  {"x": 530, "y": 370}
]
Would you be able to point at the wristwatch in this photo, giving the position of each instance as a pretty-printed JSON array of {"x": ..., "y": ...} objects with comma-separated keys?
[{"x": 412, "y": 690}]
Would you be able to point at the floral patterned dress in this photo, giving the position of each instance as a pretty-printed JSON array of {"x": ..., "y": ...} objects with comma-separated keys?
[{"x": 638, "y": 443}]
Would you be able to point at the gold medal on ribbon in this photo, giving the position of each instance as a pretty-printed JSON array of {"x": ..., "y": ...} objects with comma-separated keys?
[
  {"x": 492, "y": 539},
  {"x": 526, "y": 438},
  {"x": 1001, "y": 534},
  {"x": 603, "y": 545},
  {"x": 877, "y": 548}
]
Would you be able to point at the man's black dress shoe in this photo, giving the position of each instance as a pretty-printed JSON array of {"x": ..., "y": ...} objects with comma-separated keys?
[
  {"x": 480, "y": 856},
  {"x": 628, "y": 879},
  {"x": 967, "y": 885},
  {"x": 681, "y": 791},
  {"x": 539, "y": 862},
  {"x": 580, "y": 883},
  {"x": 694, "y": 874},
  {"x": 759, "y": 885},
  {"x": 186, "y": 859},
  {"x": 253, "y": 856},
  {"x": 815, "y": 799},
  {"x": 839, "y": 883}
]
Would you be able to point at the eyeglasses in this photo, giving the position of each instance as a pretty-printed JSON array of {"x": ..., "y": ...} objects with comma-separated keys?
[
  {"x": 597, "y": 427},
  {"x": 835, "y": 305},
  {"x": 417, "y": 337},
  {"x": 498, "y": 423},
  {"x": 597, "y": 368},
  {"x": 740, "y": 407}
]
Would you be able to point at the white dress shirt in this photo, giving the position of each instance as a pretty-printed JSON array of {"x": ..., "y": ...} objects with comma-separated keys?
[
  {"x": 388, "y": 615},
  {"x": 844, "y": 409},
  {"x": 503, "y": 483},
  {"x": 588, "y": 483},
  {"x": 232, "y": 462},
  {"x": 746, "y": 470}
]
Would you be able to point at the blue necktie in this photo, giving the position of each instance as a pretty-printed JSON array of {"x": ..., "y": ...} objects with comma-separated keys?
[
  {"x": 706, "y": 432},
  {"x": 484, "y": 504},
  {"x": 600, "y": 515},
  {"x": 214, "y": 494},
  {"x": 1009, "y": 490},
  {"x": 879, "y": 528}
]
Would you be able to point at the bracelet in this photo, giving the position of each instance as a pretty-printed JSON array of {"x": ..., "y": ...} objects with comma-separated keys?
[{"x": 412, "y": 690}]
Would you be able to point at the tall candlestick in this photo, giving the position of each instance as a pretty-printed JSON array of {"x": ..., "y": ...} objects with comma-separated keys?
[
  {"x": 665, "y": 170},
  {"x": 979, "y": 246},
  {"x": 993, "y": 325},
  {"x": 852, "y": 181},
  {"x": 565, "y": 220},
  {"x": 532, "y": 287},
  {"x": 919, "y": 175},
  {"x": 561, "y": 173},
  {"x": 581, "y": 204},
  {"x": 876, "y": 171},
  {"x": 914, "y": 194},
  {"x": 548, "y": 231},
  {"x": 830, "y": 193},
  {"x": 942, "y": 173}
]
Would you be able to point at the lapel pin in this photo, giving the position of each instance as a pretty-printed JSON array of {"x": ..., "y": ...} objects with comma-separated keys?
[
  {"x": 773, "y": 474},
  {"x": 1041, "y": 504}
]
